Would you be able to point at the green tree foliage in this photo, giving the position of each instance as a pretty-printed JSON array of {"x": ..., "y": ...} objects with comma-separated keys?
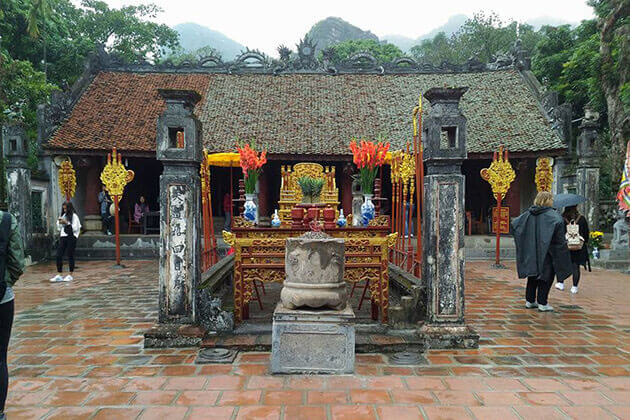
[
  {"x": 383, "y": 52},
  {"x": 481, "y": 37}
]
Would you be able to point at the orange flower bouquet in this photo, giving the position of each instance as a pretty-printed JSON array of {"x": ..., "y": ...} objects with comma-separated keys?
[
  {"x": 251, "y": 162},
  {"x": 368, "y": 156}
]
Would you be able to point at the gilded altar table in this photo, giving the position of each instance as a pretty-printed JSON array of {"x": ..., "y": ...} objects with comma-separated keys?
[{"x": 259, "y": 256}]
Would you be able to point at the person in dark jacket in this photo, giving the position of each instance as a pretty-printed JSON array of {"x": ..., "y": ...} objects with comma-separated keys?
[
  {"x": 579, "y": 257},
  {"x": 541, "y": 250},
  {"x": 11, "y": 268}
]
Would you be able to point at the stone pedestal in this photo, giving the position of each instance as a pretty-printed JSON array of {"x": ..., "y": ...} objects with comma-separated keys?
[
  {"x": 312, "y": 341},
  {"x": 15, "y": 144},
  {"x": 179, "y": 149},
  {"x": 92, "y": 223}
]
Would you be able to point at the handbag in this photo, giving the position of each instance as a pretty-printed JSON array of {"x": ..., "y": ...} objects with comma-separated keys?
[
  {"x": 575, "y": 241},
  {"x": 68, "y": 229}
]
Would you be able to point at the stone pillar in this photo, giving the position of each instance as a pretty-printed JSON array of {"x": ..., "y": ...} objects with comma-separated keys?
[
  {"x": 15, "y": 144},
  {"x": 443, "y": 218},
  {"x": 587, "y": 174},
  {"x": 180, "y": 206}
]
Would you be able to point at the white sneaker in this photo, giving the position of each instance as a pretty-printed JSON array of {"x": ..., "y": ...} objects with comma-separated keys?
[
  {"x": 530, "y": 305},
  {"x": 545, "y": 308},
  {"x": 68, "y": 278},
  {"x": 56, "y": 279},
  {"x": 574, "y": 289},
  {"x": 560, "y": 286}
]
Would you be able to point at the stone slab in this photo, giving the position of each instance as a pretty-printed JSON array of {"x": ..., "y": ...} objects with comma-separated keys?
[{"x": 312, "y": 341}]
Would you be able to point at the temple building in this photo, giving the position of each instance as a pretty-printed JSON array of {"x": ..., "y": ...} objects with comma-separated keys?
[{"x": 297, "y": 109}]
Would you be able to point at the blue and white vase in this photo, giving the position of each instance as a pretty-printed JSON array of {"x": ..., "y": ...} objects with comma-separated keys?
[
  {"x": 367, "y": 209},
  {"x": 595, "y": 253},
  {"x": 250, "y": 209},
  {"x": 341, "y": 220},
  {"x": 275, "y": 221}
]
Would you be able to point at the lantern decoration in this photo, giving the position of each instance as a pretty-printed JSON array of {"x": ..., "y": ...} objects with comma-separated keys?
[
  {"x": 115, "y": 177},
  {"x": 67, "y": 179},
  {"x": 544, "y": 174},
  {"x": 499, "y": 175}
]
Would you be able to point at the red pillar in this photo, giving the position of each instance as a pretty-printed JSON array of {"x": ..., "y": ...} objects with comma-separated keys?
[
  {"x": 92, "y": 187},
  {"x": 263, "y": 195}
]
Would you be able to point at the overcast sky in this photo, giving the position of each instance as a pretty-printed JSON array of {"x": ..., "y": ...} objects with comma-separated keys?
[{"x": 266, "y": 24}]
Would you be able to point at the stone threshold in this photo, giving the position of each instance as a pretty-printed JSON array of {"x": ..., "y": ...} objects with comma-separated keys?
[{"x": 367, "y": 341}]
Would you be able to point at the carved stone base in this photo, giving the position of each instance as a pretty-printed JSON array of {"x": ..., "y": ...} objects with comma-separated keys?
[
  {"x": 333, "y": 295},
  {"x": 445, "y": 336},
  {"x": 312, "y": 341},
  {"x": 93, "y": 223}
]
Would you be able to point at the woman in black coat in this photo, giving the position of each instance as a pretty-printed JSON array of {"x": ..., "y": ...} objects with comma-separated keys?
[
  {"x": 541, "y": 250},
  {"x": 579, "y": 257}
]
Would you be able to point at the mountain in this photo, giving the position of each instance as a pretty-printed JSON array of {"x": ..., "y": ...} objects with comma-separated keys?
[
  {"x": 450, "y": 27},
  {"x": 539, "y": 22},
  {"x": 333, "y": 30},
  {"x": 193, "y": 36}
]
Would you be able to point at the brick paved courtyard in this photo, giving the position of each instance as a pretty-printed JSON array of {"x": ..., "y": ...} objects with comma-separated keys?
[{"x": 76, "y": 352}]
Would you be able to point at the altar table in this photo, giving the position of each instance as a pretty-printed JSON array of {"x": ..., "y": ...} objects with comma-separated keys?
[{"x": 259, "y": 256}]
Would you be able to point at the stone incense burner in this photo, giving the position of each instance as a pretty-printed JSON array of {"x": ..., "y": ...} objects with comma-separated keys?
[{"x": 314, "y": 265}]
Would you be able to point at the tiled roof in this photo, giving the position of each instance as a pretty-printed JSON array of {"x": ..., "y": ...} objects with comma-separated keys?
[{"x": 303, "y": 113}]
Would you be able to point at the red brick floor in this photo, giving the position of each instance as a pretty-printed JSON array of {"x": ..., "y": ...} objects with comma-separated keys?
[{"x": 76, "y": 353}]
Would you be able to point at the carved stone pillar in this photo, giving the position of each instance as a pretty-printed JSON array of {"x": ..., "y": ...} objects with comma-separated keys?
[
  {"x": 443, "y": 218},
  {"x": 179, "y": 149},
  {"x": 587, "y": 174},
  {"x": 15, "y": 144}
]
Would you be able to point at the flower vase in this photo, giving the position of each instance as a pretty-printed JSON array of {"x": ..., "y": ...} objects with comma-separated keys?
[
  {"x": 250, "y": 210},
  {"x": 341, "y": 221},
  {"x": 275, "y": 221},
  {"x": 367, "y": 209},
  {"x": 595, "y": 253}
]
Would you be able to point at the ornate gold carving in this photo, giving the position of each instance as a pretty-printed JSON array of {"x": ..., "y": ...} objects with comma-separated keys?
[
  {"x": 381, "y": 220},
  {"x": 391, "y": 239},
  {"x": 240, "y": 221},
  {"x": 204, "y": 173},
  {"x": 115, "y": 176},
  {"x": 291, "y": 194},
  {"x": 500, "y": 174},
  {"x": 544, "y": 174},
  {"x": 229, "y": 238},
  {"x": 67, "y": 179}
]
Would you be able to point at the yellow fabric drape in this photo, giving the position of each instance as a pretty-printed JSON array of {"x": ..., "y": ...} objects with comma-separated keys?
[{"x": 225, "y": 160}]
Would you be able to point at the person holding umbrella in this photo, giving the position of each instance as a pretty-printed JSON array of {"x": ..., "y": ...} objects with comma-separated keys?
[
  {"x": 541, "y": 250},
  {"x": 577, "y": 234}
]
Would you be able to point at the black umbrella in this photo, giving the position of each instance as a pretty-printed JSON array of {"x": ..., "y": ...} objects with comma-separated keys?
[{"x": 567, "y": 200}]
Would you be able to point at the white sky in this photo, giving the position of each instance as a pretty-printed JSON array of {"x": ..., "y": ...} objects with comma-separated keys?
[{"x": 266, "y": 24}]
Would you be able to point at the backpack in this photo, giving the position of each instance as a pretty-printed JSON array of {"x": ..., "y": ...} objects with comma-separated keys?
[{"x": 575, "y": 242}]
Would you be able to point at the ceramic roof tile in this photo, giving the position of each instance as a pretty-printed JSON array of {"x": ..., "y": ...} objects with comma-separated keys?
[{"x": 303, "y": 113}]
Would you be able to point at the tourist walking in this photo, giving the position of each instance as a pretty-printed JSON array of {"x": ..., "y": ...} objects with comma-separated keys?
[
  {"x": 11, "y": 268},
  {"x": 106, "y": 217},
  {"x": 576, "y": 227},
  {"x": 541, "y": 250},
  {"x": 140, "y": 209},
  {"x": 69, "y": 227}
]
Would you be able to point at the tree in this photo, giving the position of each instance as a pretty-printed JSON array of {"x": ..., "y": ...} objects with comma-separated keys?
[
  {"x": 551, "y": 52},
  {"x": 38, "y": 15},
  {"x": 383, "y": 52},
  {"x": 437, "y": 50},
  {"x": 128, "y": 30}
]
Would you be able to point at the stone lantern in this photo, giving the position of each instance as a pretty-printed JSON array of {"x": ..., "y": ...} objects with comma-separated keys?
[
  {"x": 179, "y": 149},
  {"x": 587, "y": 173},
  {"x": 443, "y": 218}
]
